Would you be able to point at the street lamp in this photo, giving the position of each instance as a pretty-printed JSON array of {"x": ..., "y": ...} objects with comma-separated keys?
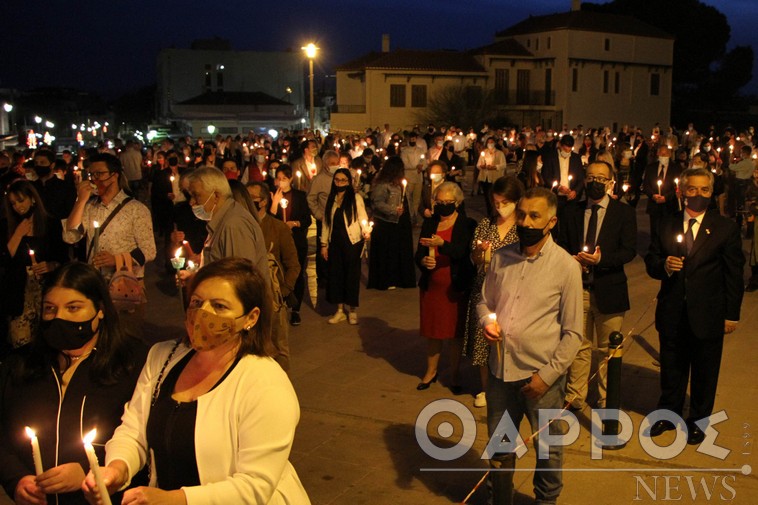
[
  {"x": 7, "y": 107},
  {"x": 37, "y": 119},
  {"x": 310, "y": 52}
]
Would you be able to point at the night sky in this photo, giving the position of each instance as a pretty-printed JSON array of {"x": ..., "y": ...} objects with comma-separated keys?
[{"x": 110, "y": 47}]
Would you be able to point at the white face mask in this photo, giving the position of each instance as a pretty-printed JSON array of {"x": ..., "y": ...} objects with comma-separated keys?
[
  {"x": 435, "y": 177},
  {"x": 506, "y": 210},
  {"x": 440, "y": 143},
  {"x": 539, "y": 167},
  {"x": 59, "y": 175},
  {"x": 564, "y": 154},
  {"x": 260, "y": 158},
  {"x": 490, "y": 146},
  {"x": 332, "y": 169}
]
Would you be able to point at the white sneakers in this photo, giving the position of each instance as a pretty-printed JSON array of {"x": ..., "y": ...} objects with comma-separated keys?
[
  {"x": 352, "y": 317},
  {"x": 338, "y": 317},
  {"x": 480, "y": 400}
]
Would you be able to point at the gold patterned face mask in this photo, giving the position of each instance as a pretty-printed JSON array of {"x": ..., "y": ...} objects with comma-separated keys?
[{"x": 207, "y": 330}]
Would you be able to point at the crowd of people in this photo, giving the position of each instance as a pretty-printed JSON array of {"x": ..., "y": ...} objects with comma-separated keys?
[{"x": 249, "y": 225}]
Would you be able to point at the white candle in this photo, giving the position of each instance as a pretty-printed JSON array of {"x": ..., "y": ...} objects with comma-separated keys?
[
  {"x": 36, "y": 455},
  {"x": 94, "y": 466},
  {"x": 555, "y": 184},
  {"x": 95, "y": 238},
  {"x": 33, "y": 258},
  {"x": 625, "y": 187},
  {"x": 284, "y": 204},
  {"x": 493, "y": 320},
  {"x": 660, "y": 183},
  {"x": 299, "y": 174},
  {"x": 405, "y": 185}
]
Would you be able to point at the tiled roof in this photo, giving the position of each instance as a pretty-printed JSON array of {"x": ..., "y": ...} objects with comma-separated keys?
[
  {"x": 506, "y": 47},
  {"x": 585, "y": 21},
  {"x": 234, "y": 98},
  {"x": 405, "y": 59}
]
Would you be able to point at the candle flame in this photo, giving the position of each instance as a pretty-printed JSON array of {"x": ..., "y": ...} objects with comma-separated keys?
[
  {"x": 178, "y": 253},
  {"x": 298, "y": 173},
  {"x": 31, "y": 252},
  {"x": 660, "y": 182},
  {"x": 371, "y": 224},
  {"x": 190, "y": 264},
  {"x": 284, "y": 203},
  {"x": 90, "y": 437},
  {"x": 680, "y": 238},
  {"x": 405, "y": 182},
  {"x": 30, "y": 432},
  {"x": 95, "y": 224},
  {"x": 492, "y": 316},
  {"x": 555, "y": 183}
]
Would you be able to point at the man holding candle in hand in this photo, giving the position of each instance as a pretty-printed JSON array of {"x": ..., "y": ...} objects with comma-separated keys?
[
  {"x": 699, "y": 301},
  {"x": 535, "y": 289},
  {"x": 660, "y": 188}
]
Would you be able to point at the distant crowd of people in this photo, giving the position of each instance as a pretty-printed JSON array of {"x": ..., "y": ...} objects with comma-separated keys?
[{"x": 248, "y": 226}]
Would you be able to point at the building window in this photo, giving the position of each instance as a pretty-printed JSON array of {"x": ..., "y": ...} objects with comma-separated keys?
[
  {"x": 418, "y": 95},
  {"x": 655, "y": 84},
  {"x": 549, "y": 42},
  {"x": 528, "y": 42},
  {"x": 607, "y": 44},
  {"x": 575, "y": 79},
  {"x": 606, "y": 78},
  {"x": 208, "y": 81},
  {"x": 522, "y": 87},
  {"x": 548, "y": 86},
  {"x": 397, "y": 95},
  {"x": 220, "y": 78},
  {"x": 501, "y": 86},
  {"x": 537, "y": 44},
  {"x": 617, "y": 84}
]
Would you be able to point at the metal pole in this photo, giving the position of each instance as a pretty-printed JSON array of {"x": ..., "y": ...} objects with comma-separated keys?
[
  {"x": 613, "y": 397},
  {"x": 310, "y": 77}
]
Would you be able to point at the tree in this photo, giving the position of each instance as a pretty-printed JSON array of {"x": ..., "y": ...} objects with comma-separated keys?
[{"x": 464, "y": 106}]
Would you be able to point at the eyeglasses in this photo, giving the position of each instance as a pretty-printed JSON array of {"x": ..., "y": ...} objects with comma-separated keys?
[
  {"x": 601, "y": 180},
  {"x": 100, "y": 176}
]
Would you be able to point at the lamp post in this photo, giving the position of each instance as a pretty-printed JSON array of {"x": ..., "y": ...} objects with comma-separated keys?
[{"x": 310, "y": 52}]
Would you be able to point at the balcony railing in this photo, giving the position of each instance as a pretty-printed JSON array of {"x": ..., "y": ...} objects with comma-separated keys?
[{"x": 349, "y": 109}]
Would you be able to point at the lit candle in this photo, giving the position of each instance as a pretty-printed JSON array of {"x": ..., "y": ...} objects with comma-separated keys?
[
  {"x": 358, "y": 176},
  {"x": 405, "y": 185},
  {"x": 555, "y": 184},
  {"x": 298, "y": 174},
  {"x": 493, "y": 320},
  {"x": 585, "y": 249},
  {"x": 571, "y": 178},
  {"x": 94, "y": 466},
  {"x": 283, "y": 202},
  {"x": 187, "y": 246},
  {"x": 178, "y": 263},
  {"x": 95, "y": 238},
  {"x": 172, "y": 178},
  {"x": 36, "y": 455},
  {"x": 625, "y": 187},
  {"x": 660, "y": 183},
  {"x": 423, "y": 156},
  {"x": 186, "y": 159},
  {"x": 33, "y": 258},
  {"x": 264, "y": 173},
  {"x": 680, "y": 243},
  {"x": 190, "y": 265}
]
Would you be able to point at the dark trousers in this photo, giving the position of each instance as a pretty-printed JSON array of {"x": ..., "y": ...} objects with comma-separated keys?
[
  {"x": 685, "y": 358},
  {"x": 344, "y": 272},
  {"x": 486, "y": 187},
  {"x": 321, "y": 269},
  {"x": 302, "y": 258}
]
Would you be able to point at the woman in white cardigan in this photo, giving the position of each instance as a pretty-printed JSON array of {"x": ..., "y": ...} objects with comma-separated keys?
[
  {"x": 214, "y": 415},
  {"x": 343, "y": 231}
]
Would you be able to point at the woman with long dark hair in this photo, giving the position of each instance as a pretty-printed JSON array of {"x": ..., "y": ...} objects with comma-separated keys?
[
  {"x": 342, "y": 237},
  {"x": 34, "y": 248},
  {"x": 531, "y": 165},
  {"x": 76, "y": 375},
  {"x": 229, "y": 407},
  {"x": 391, "y": 255}
]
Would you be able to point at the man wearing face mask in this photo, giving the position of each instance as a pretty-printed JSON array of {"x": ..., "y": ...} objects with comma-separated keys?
[
  {"x": 309, "y": 165},
  {"x": 534, "y": 289},
  {"x": 414, "y": 161},
  {"x": 257, "y": 167},
  {"x": 602, "y": 237},
  {"x": 563, "y": 173},
  {"x": 57, "y": 196},
  {"x": 436, "y": 150},
  {"x": 697, "y": 256},
  {"x": 659, "y": 186}
]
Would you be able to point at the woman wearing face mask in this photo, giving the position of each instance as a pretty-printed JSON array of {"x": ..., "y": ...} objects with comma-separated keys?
[
  {"x": 229, "y": 406},
  {"x": 76, "y": 375},
  {"x": 29, "y": 228},
  {"x": 436, "y": 173},
  {"x": 455, "y": 163},
  {"x": 344, "y": 229},
  {"x": 491, "y": 167},
  {"x": 531, "y": 166},
  {"x": 446, "y": 273},
  {"x": 492, "y": 233}
]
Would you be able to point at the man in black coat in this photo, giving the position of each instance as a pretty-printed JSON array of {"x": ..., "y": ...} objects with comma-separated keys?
[
  {"x": 602, "y": 237},
  {"x": 698, "y": 257},
  {"x": 659, "y": 184},
  {"x": 563, "y": 173}
]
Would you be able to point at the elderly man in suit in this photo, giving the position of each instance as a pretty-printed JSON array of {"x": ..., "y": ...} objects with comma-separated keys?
[
  {"x": 697, "y": 256},
  {"x": 602, "y": 237}
]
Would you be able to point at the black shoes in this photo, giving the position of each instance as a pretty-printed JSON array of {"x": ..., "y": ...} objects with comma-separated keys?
[
  {"x": 694, "y": 434},
  {"x": 661, "y": 427},
  {"x": 425, "y": 385},
  {"x": 295, "y": 318}
]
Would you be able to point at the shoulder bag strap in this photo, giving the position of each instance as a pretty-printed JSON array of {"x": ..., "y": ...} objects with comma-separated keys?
[{"x": 107, "y": 222}]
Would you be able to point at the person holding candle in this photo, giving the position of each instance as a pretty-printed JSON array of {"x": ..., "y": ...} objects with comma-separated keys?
[
  {"x": 491, "y": 167},
  {"x": 445, "y": 281},
  {"x": 298, "y": 220},
  {"x": 81, "y": 354},
  {"x": 455, "y": 164},
  {"x": 698, "y": 303},
  {"x": 564, "y": 166},
  {"x": 491, "y": 234},
  {"x": 414, "y": 162},
  {"x": 658, "y": 184},
  {"x": 231, "y": 406},
  {"x": 391, "y": 255},
  {"x": 29, "y": 228},
  {"x": 318, "y": 192},
  {"x": 436, "y": 175},
  {"x": 531, "y": 168},
  {"x": 342, "y": 238}
]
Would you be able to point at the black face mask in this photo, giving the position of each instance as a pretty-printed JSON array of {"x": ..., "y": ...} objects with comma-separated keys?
[
  {"x": 340, "y": 189},
  {"x": 451, "y": 149},
  {"x": 529, "y": 236},
  {"x": 43, "y": 171},
  {"x": 67, "y": 335},
  {"x": 697, "y": 203},
  {"x": 173, "y": 162},
  {"x": 412, "y": 144},
  {"x": 596, "y": 190},
  {"x": 444, "y": 209}
]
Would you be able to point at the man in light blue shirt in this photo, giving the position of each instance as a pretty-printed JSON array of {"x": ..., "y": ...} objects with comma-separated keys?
[{"x": 534, "y": 290}]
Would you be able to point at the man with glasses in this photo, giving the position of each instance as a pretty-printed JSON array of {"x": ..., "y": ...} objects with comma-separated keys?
[
  {"x": 602, "y": 237},
  {"x": 697, "y": 256}
]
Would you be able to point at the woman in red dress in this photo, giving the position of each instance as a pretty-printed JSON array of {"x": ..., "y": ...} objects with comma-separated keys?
[{"x": 446, "y": 274}]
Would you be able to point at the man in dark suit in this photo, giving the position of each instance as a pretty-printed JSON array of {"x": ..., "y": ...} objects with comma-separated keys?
[
  {"x": 563, "y": 173},
  {"x": 698, "y": 257},
  {"x": 602, "y": 237},
  {"x": 659, "y": 185}
]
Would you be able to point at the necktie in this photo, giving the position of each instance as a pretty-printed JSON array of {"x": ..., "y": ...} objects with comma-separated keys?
[
  {"x": 689, "y": 237},
  {"x": 592, "y": 230}
]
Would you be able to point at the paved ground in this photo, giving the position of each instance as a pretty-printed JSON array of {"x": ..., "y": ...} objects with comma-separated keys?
[{"x": 356, "y": 442}]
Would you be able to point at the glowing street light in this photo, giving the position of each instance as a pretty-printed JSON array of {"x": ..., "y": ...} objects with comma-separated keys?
[
  {"x": 37, "y": 119},
  {"x": 310, "y": 52},
  {"x": 7, "y": 107},
  {"x": 211, "y": 129}
]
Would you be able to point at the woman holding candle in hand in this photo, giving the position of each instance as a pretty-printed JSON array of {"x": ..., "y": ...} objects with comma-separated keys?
[
  {"x": 229, "y": 405},
  {"x": 492, "y": 233},
  {"x": 34, "y": 248},
  {"x": 79, "y": 354},
  {"x": 446, "y": 272}
]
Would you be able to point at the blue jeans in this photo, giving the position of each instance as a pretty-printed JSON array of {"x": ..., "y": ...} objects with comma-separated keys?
[{"x": 505, "y": 397}]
